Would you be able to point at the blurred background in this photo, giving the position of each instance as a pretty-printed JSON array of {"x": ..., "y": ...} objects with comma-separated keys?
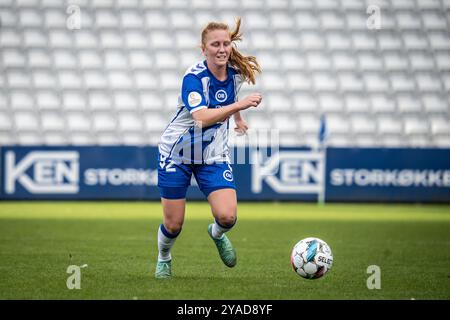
[
  {"x": 370, "y": 74},
  {"x": 109, "y": 71}
]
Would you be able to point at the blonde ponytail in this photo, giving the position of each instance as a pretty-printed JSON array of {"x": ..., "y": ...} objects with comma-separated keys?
[{"x": 247, "y": 66}]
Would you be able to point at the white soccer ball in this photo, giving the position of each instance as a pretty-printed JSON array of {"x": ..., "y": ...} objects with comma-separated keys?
[{"x": 311, "y": 258}]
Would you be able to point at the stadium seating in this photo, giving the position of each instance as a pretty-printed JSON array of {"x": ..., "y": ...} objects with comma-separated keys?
[{"x": 115, "y": 80}]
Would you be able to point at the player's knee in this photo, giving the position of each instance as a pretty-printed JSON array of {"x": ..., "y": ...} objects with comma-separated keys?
[
  {"x": 228, "y": 219},
  {"x": 173, "y": 227}
]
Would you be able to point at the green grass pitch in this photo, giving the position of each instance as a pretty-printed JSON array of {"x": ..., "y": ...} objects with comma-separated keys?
[{"x": 117, "y": 240}]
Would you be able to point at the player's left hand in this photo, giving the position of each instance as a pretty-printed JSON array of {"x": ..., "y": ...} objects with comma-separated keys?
[{"x": 241, "y": 127}]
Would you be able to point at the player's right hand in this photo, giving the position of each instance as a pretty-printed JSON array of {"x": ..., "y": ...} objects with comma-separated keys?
[{"x": 252, "y": 100}]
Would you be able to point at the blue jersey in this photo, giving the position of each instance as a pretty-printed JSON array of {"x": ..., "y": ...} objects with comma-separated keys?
[{"x": 182, "y": 141}]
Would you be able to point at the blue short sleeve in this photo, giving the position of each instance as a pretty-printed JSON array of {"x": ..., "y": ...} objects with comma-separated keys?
[{"x": 192, "y": 93}]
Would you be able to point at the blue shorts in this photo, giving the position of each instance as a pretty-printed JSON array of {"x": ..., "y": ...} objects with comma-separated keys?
[{"x": 174, "y": 179}]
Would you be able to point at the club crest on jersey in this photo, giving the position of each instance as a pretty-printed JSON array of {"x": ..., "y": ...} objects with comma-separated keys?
[
  {"x": 194, "y": 99},
  {"x": 227, "y": 175},
  {"x": 221, "y": 95}
]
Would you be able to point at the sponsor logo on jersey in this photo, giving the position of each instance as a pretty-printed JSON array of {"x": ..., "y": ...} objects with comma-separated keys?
[{"x": 194, "y": 99}]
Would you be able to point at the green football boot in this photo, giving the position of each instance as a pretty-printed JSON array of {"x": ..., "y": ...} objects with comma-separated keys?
[
  {"x": 163, "y": 269},
  {"x": 225, "y": 248}
]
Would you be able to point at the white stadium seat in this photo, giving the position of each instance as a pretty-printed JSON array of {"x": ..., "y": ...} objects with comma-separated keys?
[
  {"x": 13, "y": 58},
  {"x": 3, "y": 102},
  {"x": 331, "y": 20},
  {"x": 154, "y": 121},
  {"x": 95, "y": 79},
  {"x": 130, "y": 122},
  {"x": 440, "y": 125},
  {"x": 78, "y": 121},
  {"x": 305, "y": 102},
  {"x": 337, "y": 40},
  {"x": 140, "y": 59},
  {"x": 292, "y": 61},
  {"x": 299, "y": 81},
  {"x": 408, "y": 103},
  {"x": 70, "y": 80},
  {"x": 110, "y": 39},
  {"x": 48, "y": 100},
  {"x": 307, "y": 20},
  {"x": 312, "y": 40},
  {"x": 356, "y": 103},
  {"x": 434, "y": 20},
  {"x": 55, "y": 138},
  {"x": 118, "y": 80},
  {"x": 34, "y": 38},
  {"x": 344, "y": 61},
  {"x": 100, "y": 100},
  {"x": 5, "y": 121},
  {"x": 136, "y": 39},
  {"x": 309, "y": 123},
  {"x": 10, "y": 38},
  {"x": 19, "y": 79},
  {"x": 156, "y": 20},
  {"x": 382, "y": 103},
  {"x": 283, "y": 123},
  {"x": 29, "y": 138},
  {"x": 55, "y": 18},
  {"x": 434, "y": 103},
  {"x": 389, "y": 125},
  {"x": 186, "y": 40},
  {"x": 39, "y": 59},
  {"x": 115, "y": 59},
  {"x": 323, "y": 81},
  {"x": 132, "y": 138},
  {"x": 282, "y": 20},
  {"x": 350, "y": 82},
  {"x": 124, "y": 100},
  {"x": 268, "y": 60},
  {"x": 52, "y": 121},
  {"x": 337, "y": 124},
  {"x": 277, "y": 102},
  {"x": 131, "y": 19},
  {"x": 286, "y": 40},
  {"x": 26, "y": 121},
  {"x": 64, "y": 59},
  {"x": 104, "y": 122},
  {"x": 376, "y": 82},
  {"x": 331, "y": 102},
  {"x": 145, "y": 80},
  {"x": 44, "y": 79},
  {"x": 370, "y": 61},
  {"x": 74, "y": 100},
  {"x": 408, "y": 20},
  {"x": 318, "y": 61},
  {"x": 21, "y": 99},
  {"x": 363, "y": 124},
  {"x": 106, "y": 19},
  {"x": 421, "y": 60}
]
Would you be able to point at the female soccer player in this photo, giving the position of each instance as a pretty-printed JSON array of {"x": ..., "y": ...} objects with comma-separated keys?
[{"x": 195, "y": 141}]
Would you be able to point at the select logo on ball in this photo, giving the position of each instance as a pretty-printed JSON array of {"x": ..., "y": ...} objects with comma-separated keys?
[{"x": 311, "y": 258}]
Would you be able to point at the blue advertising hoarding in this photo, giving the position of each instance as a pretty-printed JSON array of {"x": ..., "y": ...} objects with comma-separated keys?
[
  {"x": 130, "y": 173},
  {"x": 399, "y": 175}
]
